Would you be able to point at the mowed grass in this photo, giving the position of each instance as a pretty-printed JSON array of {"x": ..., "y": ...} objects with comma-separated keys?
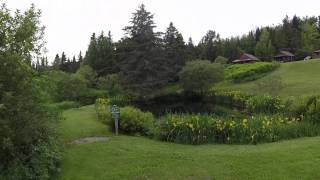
[
  {"x": 81, "y": 122},
  {"x": 299, "y": 78},
  {"x": 126, "y": 157}
]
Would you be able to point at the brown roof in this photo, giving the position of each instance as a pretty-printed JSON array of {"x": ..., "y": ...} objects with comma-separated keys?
[
  {"x": 246, "y": 56},
  {"x": 284, "y": 53}
]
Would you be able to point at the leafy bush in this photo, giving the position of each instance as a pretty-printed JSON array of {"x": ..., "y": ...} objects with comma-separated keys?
[
  {"x": 221, "y": 60},
  {"x": 88, "y": 74},
  {"x": 29, "y": 146},
  {"x": 199, "y": 129},
  {"x": 90, "y": 95},
  {"x": 71, "y": 87},
  {"x": 102, "y": 109},
  {"x": 134, "y": 121},
  {"x": 111, "y": 83},
  {"x": 199, "y": 76},
  {"x": 264, "y": 104},
  {"x": 249, "y": 72}
]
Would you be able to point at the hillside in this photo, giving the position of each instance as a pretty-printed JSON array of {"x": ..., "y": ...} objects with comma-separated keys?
[{"x": 299, "y": 78}]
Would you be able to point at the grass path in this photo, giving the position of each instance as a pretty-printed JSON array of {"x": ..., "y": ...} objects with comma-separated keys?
[{"x": 126, "y": 157}]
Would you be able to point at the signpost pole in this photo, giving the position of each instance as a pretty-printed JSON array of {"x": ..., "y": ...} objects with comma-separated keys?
[{"x": 115, "y": 111}]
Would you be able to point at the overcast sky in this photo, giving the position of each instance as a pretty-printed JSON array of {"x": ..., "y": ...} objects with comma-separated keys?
[{"x": 70, "y": 23}]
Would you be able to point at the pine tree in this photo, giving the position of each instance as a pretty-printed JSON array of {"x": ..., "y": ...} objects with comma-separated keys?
[
  {"x": 142, "y": 64},
  {"x": 100, "y": 54},
  {"x": 175, "y": 50},
  {"x": 208, "y": 45},
  {"x": 191, "y": 50},
  {"x": 56, "y": 62}
]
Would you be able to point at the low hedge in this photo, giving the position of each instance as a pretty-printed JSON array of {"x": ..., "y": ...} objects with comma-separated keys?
[{"x": 249, "y": 72}]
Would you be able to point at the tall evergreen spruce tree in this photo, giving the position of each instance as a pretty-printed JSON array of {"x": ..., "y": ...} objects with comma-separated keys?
[
  {"x": 175, "y": 50},
  {"x": 142, "y": 64},
  {"x": 100, "y": 54}
]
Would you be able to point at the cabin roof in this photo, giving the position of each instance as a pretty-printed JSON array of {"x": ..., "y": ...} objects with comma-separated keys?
[{"x": 284, "y": 53}]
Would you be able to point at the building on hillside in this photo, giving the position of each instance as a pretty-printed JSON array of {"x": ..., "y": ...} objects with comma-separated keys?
[
  {"x": 284, "y": 56},
  {"x": 316, "y": 54},
  {"x": 246, "y": 58}
]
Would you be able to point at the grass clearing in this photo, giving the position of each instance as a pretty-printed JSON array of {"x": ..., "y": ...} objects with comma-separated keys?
[{"x": 126, "y": 157}]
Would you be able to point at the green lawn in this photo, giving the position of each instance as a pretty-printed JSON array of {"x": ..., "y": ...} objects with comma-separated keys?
[
  {"x": 126, "y": 157},
  {"x": 81, "y": 122},
  {"x": 301, "y": 77}
]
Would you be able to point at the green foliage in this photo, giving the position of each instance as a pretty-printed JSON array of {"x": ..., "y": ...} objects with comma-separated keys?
[
  {"x": 29, "y": 146},
  {"x": 264, "y": 48},
  {"x": 264, "y": 104},
  {"x": 64, "y": 105},
  {"x": 100, "y": 54},
  {"x": 199, "y": 76},
  {"x": 111, "y": 83},
  {"x": 141, "y": 56},
  {"x": 132, "y": 120},
  {"x": 221, "y": 60},
  {"x": 71, "y": 87},
  {"x": 88, "y": 74},
  {"x": 29, "y": 149},
  {"x": 248, "y": 72},
  {"x": 199, "y": 129}
]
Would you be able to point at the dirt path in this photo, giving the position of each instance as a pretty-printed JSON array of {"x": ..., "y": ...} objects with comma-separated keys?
[{"x": 88, "y": 140}]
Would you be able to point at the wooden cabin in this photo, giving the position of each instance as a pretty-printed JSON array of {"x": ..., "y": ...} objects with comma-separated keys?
[
  {"x": 284, "y": 56},
  {"x": 246, "y": 58},
  {"x": 316, "y": 54}
]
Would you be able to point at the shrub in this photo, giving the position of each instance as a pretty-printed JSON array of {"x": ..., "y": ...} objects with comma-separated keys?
[
  {"x": 134, "y": 121},
  {"x": 221, "y": 60},
  {"x": 71, "y": 87},
  {"x": 249, "y": 72},
  {"x": 88, "y": 74},
  {"x": 90, "y": 95},
  {"x": 264, "y": 104},
  {"x": 199, "y": 76},
  {"x": 111, "y": 83}
]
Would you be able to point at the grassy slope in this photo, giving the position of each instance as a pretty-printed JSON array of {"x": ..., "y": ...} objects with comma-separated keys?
[
  {"x": 127, "y": 157},
  {"x": 302, "y": 77}
]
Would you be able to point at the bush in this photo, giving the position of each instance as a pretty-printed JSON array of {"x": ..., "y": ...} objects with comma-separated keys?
[
  {"x": 221, "y": 60},
  {"x": 264, "y": 104},
  {"x": 249, "y": 72},
  {"x": 29, "y": 146},
  {"x": 90, "y": 95},
  {"x": 111, "y": 83},
  {"x": 71, "y": 87},
  {"x": 132, "y": 120},
  {"x": 199, "y": 129},
  {"x": 88, "y": 74},
  {"x": 199, "y": 76}
]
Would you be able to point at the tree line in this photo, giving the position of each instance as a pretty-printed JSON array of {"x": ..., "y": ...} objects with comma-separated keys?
[{"x": 147, "y": 60}]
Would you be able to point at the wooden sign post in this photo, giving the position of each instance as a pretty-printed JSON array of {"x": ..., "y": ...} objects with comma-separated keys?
[{"x": 115, "y": 111}]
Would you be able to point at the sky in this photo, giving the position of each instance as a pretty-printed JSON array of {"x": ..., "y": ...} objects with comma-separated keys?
[{"x": 70, "y": 23}]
